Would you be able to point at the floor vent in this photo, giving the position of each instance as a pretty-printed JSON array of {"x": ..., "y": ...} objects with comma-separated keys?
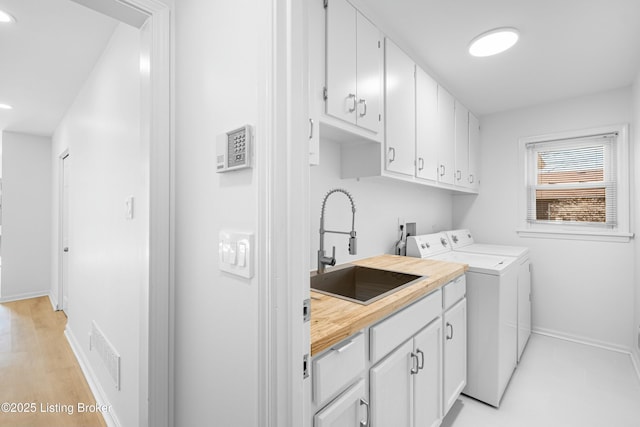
[{"x": 99, "y": 343}]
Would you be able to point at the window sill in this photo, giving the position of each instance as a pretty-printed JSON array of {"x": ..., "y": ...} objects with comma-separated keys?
[{"x": 598, "y": 236}]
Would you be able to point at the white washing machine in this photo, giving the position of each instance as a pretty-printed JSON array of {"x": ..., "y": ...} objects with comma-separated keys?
[
  {"x": 462, "y": 240},
  {"x": 492, "y": 314}
]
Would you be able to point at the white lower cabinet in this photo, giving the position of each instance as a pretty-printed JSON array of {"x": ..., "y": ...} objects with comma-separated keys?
[
  {"x": 416, "y": 367},
  {"x": 428, "y": 382},
  {"x": 350, "y": 409},
  {"x": 392, "y": 388},
  {"x": 406, "y": 386},
  {"x": 455, "y": 352}
]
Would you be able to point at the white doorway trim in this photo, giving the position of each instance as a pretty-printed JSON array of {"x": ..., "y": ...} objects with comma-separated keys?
[
  {"x": 284, "y": 219},
  {"x": 62, "y": 195},
  {"x": 156, "y": 400}
]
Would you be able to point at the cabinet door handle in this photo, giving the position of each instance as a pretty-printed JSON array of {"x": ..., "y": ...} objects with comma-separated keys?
[
  {"x": 442, "y": 170},
  {"x": 363, "y": 102},
  {"x": 458, "y": 175},
  {"x": 365, "y": 403},
  {"x": 471, "y": 179},
  {"x": 420, "y": 163},
  {"x": 421, "y": 364},
  {"x": 310, "y": 128},
  {"x": 392, "y": 151},
  {"x": 415, "y": 367},
  {"x": 352, "y": 96},
  {"x": 450, "y": 327},
  {"x": 344, "y": 346}
]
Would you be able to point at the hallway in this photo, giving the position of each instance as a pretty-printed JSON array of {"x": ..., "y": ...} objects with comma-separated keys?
[{"x": 41, "y": 381}]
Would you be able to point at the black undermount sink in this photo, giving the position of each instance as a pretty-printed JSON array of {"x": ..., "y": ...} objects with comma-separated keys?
[{"x": 361, "y": 285}]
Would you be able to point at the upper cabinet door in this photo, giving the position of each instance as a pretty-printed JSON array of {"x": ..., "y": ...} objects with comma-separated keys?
[
  {"x": 369, "y": 72},
  {"x": 446, "y": 134},
  {"x": 400, "y": 110},
  {"x": 461, "y": 145},
  {"x": 341, "y": 61},
  {"x": 426, "y": 129},
  {"x": 474, "y": 152}
]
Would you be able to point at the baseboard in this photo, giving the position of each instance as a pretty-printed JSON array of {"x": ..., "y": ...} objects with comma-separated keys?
[
  {"x": 581, "y": 340},
  {"x": 94, "y": 384},
  {"x": 635, "y": 360},
  {"x": 53, "y": 300},
  {"x": 27, "y": 295}
]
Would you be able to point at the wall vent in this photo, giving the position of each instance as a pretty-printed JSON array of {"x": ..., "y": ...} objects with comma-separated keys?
[{"x": 106, "y": 351}]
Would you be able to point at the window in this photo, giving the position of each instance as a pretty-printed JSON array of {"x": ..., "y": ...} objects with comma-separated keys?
[{"x": 576, "y": 184}]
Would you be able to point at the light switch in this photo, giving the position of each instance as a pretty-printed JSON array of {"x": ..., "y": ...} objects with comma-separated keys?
[
  {"x": 235, "y": 253},
  {"x": 242, "y": 254},
  {"x": 232, "y": 253},
  {"x": 129, "y": 207}
]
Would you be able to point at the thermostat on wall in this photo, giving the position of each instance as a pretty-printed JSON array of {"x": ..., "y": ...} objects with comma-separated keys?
[{"x": 233, "y": 150}]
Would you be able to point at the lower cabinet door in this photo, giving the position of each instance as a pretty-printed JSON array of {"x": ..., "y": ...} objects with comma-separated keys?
[
  {"x": 427, "y": 396},
  {"x": 391, "y": 384},
  {"x": 455, "y": 352},
  {"x": 350, "y": 409}
]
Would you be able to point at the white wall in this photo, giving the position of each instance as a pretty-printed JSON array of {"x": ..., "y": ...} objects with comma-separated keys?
[
  {"x": 26, "y": 216},
  {"x": 635, "y": 169},
  {"x": 108, "y": 253},
  {"x": 379, "y": 204},
  {"x": 580, "y": 289},
  {"x": 217, "y": 73}
]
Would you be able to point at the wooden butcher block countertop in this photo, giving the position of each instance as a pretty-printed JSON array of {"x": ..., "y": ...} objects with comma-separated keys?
[{"x": 334, "y": 319}]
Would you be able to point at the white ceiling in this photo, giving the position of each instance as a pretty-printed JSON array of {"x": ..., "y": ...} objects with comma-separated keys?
[
  {"x": 46, "y": 56},
  {"x": 567, "y": 48}
]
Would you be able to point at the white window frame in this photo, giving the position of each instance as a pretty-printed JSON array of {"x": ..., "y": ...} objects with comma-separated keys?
[{"x": 576, "y": 231}]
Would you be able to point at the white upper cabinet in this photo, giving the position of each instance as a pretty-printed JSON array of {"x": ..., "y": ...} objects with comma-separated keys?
[
  {"x": 461, "y": 145},
  {"x": 446, "y": 135},
  {"x": 399, "y": 110},
  {"x": 426, "y": 129},
  {"x": 354, "y": 67},
  {"x": 391, "y": 117},
  {"x": 369, "y": 75},
  {"x": 474, "y": 152}
]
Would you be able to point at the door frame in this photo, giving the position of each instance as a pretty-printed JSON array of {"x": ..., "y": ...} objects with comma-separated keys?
[
  {"x": 155, "y": 20},
  {"x": 61, "y": 183},
  {"x": 284, "y": 218}
]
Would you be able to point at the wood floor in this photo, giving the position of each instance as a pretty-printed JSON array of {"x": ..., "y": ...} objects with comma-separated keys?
[{"x": 39, "y": 373}]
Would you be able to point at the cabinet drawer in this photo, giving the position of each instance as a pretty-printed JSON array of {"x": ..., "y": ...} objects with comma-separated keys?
[
  {"x": 393, "y": 331},
  {"x": 454, "y": 291},
  {"x": 337, "y": 368}
]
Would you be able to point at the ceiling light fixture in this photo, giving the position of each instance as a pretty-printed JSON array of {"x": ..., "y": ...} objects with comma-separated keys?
[
  {"x": 493, "y": 42},
  {"x": 6, "y": 107},
  {"x": 5, "y": 18}
]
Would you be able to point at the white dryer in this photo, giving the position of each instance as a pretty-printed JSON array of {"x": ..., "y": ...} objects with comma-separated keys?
[
  {"x": 492, "y": 314},
  {"x": 463, "y": 241}
]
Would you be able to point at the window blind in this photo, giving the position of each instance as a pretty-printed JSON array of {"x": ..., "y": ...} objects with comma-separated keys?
[{"x": 573, "y": 181}]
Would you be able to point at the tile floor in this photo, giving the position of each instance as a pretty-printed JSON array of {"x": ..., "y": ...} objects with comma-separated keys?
[{"x": 560, "y": 384}]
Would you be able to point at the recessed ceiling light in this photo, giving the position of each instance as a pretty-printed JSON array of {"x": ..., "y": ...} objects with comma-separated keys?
[
  {"x": 5, "y": 17},
  {"x": 6, "y": 107},
  {"x": 493, "y": 42}
]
